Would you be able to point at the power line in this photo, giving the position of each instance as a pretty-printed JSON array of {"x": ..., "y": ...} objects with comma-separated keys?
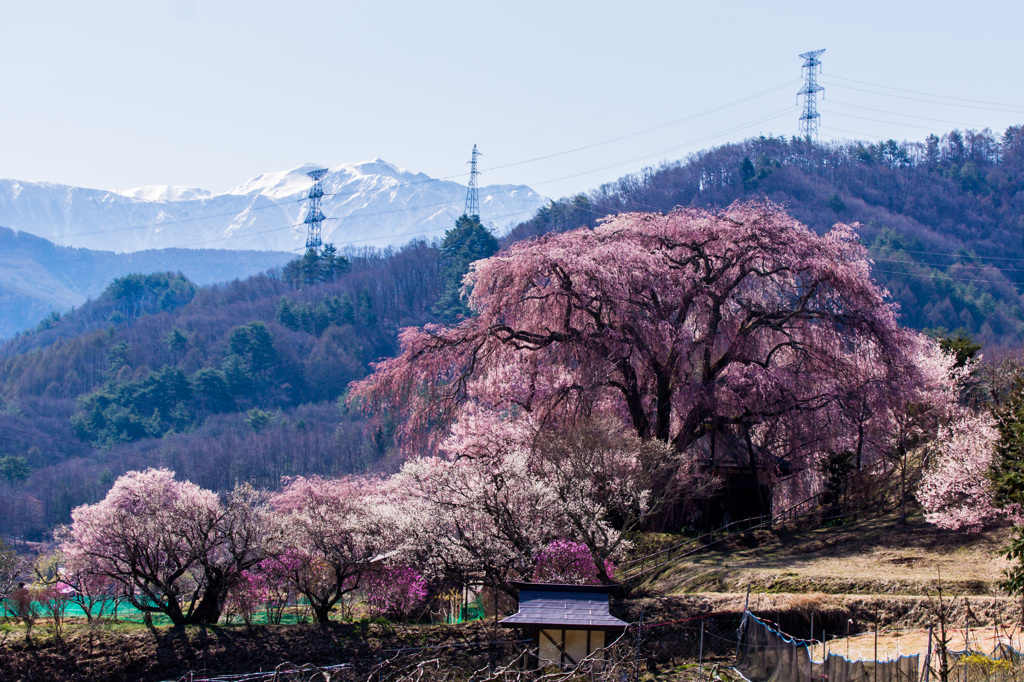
[
  {"x": 280, "y": 204},
  {"x": 877, "y": 120},
  {"x": 944, "y": 253},
  {"x": 858, "y": 135},
  {"x": 930, "y": 94},
  {"x": 942, "y": 265},
  {"x": 573, "y": 121},
  {"x": 895, "y": 113},
  {"x": 809, "y": 56},
  {"x": 945, "y": 276},
  {"x": 764, "y": 119},
  {"x": 362, "y": 215},
  {"x": 647, "y": 130},
  {"x": 928, "y": 101}
]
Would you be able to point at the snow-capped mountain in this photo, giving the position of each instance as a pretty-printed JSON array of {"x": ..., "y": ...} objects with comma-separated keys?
[{"x": 366, "y": 204}]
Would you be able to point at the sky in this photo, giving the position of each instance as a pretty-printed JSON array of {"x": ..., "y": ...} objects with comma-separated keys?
[{"x": 560, "y": 96}]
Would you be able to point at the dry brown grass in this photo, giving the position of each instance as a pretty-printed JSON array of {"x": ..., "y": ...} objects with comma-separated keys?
[
  {"x": 894, "y": 643},
  {"x": 875, "y": 556}
]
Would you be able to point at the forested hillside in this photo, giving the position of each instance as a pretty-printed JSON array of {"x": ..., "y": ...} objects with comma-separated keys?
[
  {"x": 222, "y": 383},
  {"x": 944, "y": 219},
  {"x": 241, "y": 381}
]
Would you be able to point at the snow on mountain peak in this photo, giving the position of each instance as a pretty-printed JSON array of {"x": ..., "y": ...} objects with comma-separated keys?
[
  {"x": 164, "y": 193},
  {"x": 376, "y": 167},
  {"x": 371, "y": 203},
  {"x": 277, "y": 184}
]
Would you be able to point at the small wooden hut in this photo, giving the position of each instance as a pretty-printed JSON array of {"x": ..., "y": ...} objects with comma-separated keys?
[{"x": 569, "y": 622}]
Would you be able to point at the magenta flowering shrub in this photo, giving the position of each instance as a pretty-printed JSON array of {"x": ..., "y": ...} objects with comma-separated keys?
[
  {"x": 568, "y": 563},
  {"x": 266, "y": 586},
  {"x": 395, "y": 591},
  {"x": 248, "y": 595}
]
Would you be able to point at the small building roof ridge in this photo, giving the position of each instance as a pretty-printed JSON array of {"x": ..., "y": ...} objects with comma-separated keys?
[{"x": 564, "y": 587}]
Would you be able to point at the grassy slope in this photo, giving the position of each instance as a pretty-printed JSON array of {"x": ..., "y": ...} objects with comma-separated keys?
[
  {"x": 872, "y": 556},
  {"x": 846, "y": 579}
]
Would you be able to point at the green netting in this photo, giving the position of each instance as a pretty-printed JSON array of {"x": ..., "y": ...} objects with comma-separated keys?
[
  {"x": 296, "y": 612},
  {"x": 474, "y": 610},
  {"x": 122, "y": 610},
  {"x": 105, "y": 608}
]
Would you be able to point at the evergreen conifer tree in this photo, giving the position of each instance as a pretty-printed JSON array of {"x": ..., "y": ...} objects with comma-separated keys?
[{"x": 468, "y": 241}]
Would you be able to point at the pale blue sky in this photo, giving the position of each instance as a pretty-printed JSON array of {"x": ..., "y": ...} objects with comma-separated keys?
[{"x": 208, "y": 94}]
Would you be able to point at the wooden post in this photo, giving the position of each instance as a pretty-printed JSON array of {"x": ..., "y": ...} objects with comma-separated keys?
[
  {"x": 826, "y": 667},
  {"x": 967, "y": 627},
  {"x": 927, "y": 657},
  {"x": 639, "y": 627},
  {"x": 743, "y": 623},
  {"x": 874, "y": 668},
  {"x": 700, "y": 655}
]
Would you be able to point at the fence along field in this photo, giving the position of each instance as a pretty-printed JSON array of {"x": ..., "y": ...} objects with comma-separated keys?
[{"x": 702, "y": 648}]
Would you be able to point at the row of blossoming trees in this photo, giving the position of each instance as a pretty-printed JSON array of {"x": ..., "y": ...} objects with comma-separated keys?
[
  {"x": 569, "y": 409},
  {"x": 170, "y": 547}
]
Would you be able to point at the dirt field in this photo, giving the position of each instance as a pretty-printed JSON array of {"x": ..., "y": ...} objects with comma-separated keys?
[
  {"x": 141, "y": 655},
  {"x": 908, "y": 642}
]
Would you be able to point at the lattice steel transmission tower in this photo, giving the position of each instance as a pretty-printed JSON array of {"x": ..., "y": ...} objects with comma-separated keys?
[
  {"x": 810, "y": 117},
  {"x": 313, "y": 215},
  {"x": 473, "y": 194}
]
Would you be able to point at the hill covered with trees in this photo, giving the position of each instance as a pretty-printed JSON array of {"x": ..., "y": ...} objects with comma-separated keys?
[
  {"x": 943, "y": 219},
  {"x": 241, "y": 381},
  {"x": 222, "y": 383}
]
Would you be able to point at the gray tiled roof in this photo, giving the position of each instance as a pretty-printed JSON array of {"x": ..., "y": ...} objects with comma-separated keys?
[{"x": 563, "y": 606}]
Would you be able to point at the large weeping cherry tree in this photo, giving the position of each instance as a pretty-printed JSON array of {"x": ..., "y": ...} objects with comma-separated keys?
[{"x": 679, "y": 325}]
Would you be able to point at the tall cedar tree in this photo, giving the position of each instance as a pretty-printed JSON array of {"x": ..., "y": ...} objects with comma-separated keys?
[
  {"x": 468, "y": 241},
  {"x": 1008, "y": 479},
  {"x": 1008, "y": 467}
]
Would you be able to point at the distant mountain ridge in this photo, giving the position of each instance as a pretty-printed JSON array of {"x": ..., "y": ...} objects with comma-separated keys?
[
  {"x": 372, "y": 204},
  {"x": 37, "y": 277}
]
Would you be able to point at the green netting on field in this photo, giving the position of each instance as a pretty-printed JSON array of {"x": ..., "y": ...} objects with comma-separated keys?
[
  {"x": 473, "y": 611},
  {"x": 105, "y": 608},
  {"x": 297, "y": 612},
  {"x": 122, "y": 610}
]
